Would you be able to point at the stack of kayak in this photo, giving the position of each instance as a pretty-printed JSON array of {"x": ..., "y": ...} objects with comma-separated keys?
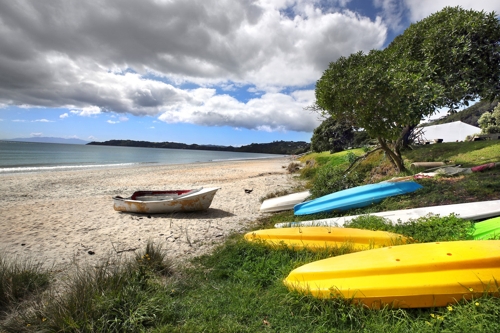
[{"x": 387, "y": 268}]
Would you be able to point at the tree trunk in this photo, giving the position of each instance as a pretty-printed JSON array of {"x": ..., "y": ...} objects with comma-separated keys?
[
  {"x": 405, "y": 135},
  {"x": 394, "y": 156}
]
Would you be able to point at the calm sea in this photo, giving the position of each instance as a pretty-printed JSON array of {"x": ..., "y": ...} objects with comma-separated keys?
[{"x": 18, "y": 157}]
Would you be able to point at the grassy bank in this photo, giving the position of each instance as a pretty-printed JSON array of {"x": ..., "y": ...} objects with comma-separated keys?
[{"x": 238, "y": 287}]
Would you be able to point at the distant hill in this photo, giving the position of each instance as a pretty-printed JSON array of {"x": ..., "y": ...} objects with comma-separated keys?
[
  {"x": 51, "y": 140},
  {"x": 276, "y": 147},
  {"x": 469, "y": 115}
]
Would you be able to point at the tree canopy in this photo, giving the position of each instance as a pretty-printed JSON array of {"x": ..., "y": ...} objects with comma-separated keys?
[
  {"x": 490, "y": 121},
  {"x": 447, "y": 59},
  {"x": 332, "y": 135}
]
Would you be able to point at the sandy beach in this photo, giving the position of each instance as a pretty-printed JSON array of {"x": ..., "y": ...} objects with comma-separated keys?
[{"x": 68, "y": 216}]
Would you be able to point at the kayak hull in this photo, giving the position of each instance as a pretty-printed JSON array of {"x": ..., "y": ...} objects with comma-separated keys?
[
  {"x": 406, "y": 276},
  {"x": 355, "y": 197},
  {"x": 320, "y": 238},
  {"x": 489, "y": 229},
  {"x": 285, "y": 202}
]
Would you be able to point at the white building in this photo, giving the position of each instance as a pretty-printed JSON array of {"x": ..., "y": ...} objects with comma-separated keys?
[{"x": 450, "y": 132}]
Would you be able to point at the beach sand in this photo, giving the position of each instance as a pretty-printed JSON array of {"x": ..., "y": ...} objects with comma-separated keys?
[{"x": 67, "y": 217}]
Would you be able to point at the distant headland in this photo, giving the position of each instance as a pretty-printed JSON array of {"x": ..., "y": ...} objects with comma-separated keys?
[{"x": 275, "y": 147}]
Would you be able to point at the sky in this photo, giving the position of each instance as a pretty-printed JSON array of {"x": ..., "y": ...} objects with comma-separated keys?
[{"x": 222, "y": 72}]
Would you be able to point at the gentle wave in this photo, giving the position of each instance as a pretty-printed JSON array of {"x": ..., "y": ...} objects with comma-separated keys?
[
  {"x": 248, "y": 158},
  {"x": 59, "y": 167}
]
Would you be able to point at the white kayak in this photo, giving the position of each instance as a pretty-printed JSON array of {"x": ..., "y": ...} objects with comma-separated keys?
[
  {"x": 470, "y": 211},
  {"x": 285, "y": 202}
]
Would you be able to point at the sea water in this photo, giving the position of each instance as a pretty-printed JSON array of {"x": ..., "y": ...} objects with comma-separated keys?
[{"x": 38, "y": 157}]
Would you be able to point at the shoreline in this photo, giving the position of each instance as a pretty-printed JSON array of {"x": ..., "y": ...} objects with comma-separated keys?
[
  {"x": 67, "y": 217},
  {"x": 86, "y": 167}
]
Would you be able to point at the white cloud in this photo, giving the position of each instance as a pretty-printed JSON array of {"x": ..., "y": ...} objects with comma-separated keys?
[
  {"x": 64, "y": 115},
  {"x": 270, "y": 112},
  {"x": 392, "y": 12},
  {"x": 90, "y": 111},
  {"x": 19, "y": 120},
  {"x": 92, "y": 138},
  {"x": 267, "y": 45},
  {"x": 43, "y": 121},
  {"x": 36, "y": 134},
  {"x": 113, "y": 122}
]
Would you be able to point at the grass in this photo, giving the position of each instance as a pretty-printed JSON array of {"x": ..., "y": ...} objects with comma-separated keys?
[
  {"x": 238, "y": 287},
  {"x": 19, "y": 279}
]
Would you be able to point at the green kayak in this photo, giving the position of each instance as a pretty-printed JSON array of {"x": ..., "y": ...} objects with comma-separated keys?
[{"x": 488, "y": 229}]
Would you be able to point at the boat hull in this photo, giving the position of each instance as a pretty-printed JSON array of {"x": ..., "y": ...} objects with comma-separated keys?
[
  {"x": 286, "y": 202},
  {"x": 489, "y": 229},
  {"x": 355, "y": 197},
  {"x": 406, "y": 276},
  {"x": 470, "y": 211},
  {"x": 320, "y": 238},
  {"x": 199, "y": 200}
]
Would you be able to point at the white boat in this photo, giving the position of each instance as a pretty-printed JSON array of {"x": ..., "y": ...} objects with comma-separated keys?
[
  {"x": 157, "y": 202},
  {"x": 471, "y": 211},
  {"x": 285, "y": 202}
]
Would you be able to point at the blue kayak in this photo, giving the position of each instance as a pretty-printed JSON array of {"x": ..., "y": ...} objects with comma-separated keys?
[{"x": 355, "y": 197}]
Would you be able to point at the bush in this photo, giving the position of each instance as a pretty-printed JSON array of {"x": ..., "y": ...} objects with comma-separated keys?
[
  {"x": 429, "y": 228},
  {"x": 332, "y": 179}
]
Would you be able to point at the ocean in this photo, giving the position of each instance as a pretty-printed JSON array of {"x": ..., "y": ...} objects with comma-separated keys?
[{"x": 19, "y": 157}]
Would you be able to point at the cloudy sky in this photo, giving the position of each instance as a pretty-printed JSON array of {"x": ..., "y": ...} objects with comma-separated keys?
[{"x": 228, "y": 72}]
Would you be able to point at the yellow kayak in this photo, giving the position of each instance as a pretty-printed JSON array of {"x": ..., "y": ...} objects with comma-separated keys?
[
  {"x": 316, "y": 238},
  {"x": 406, "y": 276}
]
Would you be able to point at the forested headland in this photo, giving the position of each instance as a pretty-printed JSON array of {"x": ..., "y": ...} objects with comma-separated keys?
[{"x": 275, "y": 147}]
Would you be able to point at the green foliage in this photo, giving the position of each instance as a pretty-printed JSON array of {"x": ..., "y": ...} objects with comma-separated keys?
[
  {"x": 430, "y": 228},
  {"x": 332, "y": 135},
  {"x": 330, "y": 179},
  {"x": 490, "y": 122},
  {"x": 315, "y": 161},
  {"x": 458, "y": 50},
  {"x": 19, "y": 279},
  {"x": 350, "y": 157}
]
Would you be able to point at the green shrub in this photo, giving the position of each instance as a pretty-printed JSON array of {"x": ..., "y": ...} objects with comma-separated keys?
[
  {"x": 332, "y": 179},
  {"x": 429, "y": 228}
]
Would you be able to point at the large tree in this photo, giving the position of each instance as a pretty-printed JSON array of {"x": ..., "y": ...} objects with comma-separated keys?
[
  {"x": 332, "y": 135},
  {"x": 447, "y": 59}
]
